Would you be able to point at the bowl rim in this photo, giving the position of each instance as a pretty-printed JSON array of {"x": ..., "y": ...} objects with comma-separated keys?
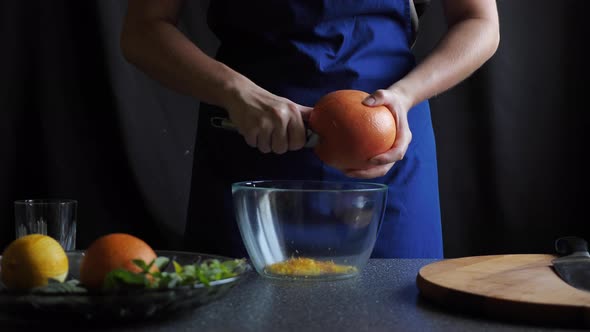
[{"x": 364, "y": 186}]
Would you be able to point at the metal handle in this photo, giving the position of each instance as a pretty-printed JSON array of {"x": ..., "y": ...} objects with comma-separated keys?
[
  {"x": 223, "y": 123},
  {"x": 227, "y": 124}
]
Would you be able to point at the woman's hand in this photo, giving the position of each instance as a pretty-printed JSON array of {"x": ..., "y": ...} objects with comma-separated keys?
[
  {"x": 472, "y": 38},
  {"x": 399, "y": 106},
  {"x": 151, "y": 40},
  {"x": 266, "y": 121}
]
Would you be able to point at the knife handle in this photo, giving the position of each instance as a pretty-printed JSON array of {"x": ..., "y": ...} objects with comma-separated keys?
[
  {"x": 570, "y": 244},
  {"x": 227, "y": 124}
]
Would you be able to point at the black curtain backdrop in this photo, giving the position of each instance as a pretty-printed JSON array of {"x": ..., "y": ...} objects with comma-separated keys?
[{"x": 77, "y": 121}]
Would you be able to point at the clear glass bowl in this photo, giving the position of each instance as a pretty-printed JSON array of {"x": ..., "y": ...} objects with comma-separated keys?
[{"x": 309, "y": 230}]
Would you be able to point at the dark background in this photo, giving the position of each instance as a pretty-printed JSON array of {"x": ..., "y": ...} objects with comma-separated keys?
[{"x": 77, "y": 121}]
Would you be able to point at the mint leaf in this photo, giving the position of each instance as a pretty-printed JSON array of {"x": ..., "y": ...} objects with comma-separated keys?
[
  {"x": 177, "y": 267},
  {"x": 191, "y": 274},
  {"x": 54, "y": 286},
  {"x": 120, "y": 278},
  {"x": 142, "y": 265},
  {"x": 162, "y": 262}
]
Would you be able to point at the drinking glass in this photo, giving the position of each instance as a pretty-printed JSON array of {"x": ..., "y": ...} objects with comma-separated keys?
[{"x": 52, "y": 217}]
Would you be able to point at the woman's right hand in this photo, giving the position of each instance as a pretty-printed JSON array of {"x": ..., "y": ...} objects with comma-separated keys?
[
  {"x": 266, "y": 121},
  {"x": 151, "y": 40}
]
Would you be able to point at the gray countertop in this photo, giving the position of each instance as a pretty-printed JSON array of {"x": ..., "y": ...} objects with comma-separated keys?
[{"x": 383, "y": 298}]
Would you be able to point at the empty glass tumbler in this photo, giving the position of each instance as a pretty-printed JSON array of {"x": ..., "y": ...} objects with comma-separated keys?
[{"x": 52, "y": 217}]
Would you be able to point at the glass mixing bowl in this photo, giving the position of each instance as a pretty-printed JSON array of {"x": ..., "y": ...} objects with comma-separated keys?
[{"x": 309, "y": 229}]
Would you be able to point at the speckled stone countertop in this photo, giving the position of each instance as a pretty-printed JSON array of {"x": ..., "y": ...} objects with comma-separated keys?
[{"x": 383, "y": 298}]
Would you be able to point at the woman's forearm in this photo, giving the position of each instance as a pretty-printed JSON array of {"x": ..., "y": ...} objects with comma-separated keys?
[
  {"x": 467, "y": 45},
  {"x": 162, "y": 51}
]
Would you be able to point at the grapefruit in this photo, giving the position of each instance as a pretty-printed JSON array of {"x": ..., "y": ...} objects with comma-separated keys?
[
  {"x": 110, "y": 252},
  {"x": 351, "y": 133}
]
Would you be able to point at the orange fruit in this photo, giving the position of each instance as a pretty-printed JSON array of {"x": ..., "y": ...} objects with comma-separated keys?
[
  {"x": 30, "y": 261},
  {"x": 110, "y": 252},
  {"x": 350, "y": 133}
]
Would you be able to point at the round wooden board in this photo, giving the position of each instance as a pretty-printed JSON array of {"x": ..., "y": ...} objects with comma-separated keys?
[{"x": 509, "y": 287}]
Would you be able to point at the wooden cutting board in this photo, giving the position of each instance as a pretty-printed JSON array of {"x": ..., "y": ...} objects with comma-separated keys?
[{"x": 509, "y": 287}]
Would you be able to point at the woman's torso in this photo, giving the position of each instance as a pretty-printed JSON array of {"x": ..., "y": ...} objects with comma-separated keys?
[{"x": 302, "y": 49}]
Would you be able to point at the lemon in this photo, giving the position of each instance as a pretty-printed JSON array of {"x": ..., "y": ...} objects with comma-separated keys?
[{"x": 30, "y": 261}]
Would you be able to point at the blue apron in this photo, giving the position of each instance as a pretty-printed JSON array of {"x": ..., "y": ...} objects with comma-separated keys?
[{"x": 301, "y": 50}]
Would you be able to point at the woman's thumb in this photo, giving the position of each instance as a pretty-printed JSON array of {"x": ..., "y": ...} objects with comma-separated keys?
[
  {"x": 305, "y": 112},
  {"x": 370, "y": 100}
]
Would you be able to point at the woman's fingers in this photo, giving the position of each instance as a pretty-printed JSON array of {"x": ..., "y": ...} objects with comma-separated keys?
[
  {"x": 264, "y": 138},
  {"x": 251, "y": 137},
  {"x": 397, "y": 105},
  {"x": 370, "y": 173},
  {"x": 279, "y": 141},
  {"x": 305, "y": 112},
  {"x": 296, "y": 131},
  {"x": 383, "y": 162},
  {"x": 281, "y": 130},
  {"x": 397, "y": 151},
  {"x": 379, "y": 97},
  {"x": 270, "y": 123},
  {"x": 296, "y": 135}
]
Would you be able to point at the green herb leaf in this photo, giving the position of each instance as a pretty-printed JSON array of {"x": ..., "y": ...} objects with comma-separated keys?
[
  {"x": 204, "y": 273},
  {"x": 142, "y": 265},
  {"x": 55, "y": 286},
  {"x": 177, "y": 267},
  {"x": 120, "y": 278},
  {"x": 162, "y": 262}
]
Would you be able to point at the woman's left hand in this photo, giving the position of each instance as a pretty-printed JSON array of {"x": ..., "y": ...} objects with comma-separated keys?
[{"x": 399, "y": 105}]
